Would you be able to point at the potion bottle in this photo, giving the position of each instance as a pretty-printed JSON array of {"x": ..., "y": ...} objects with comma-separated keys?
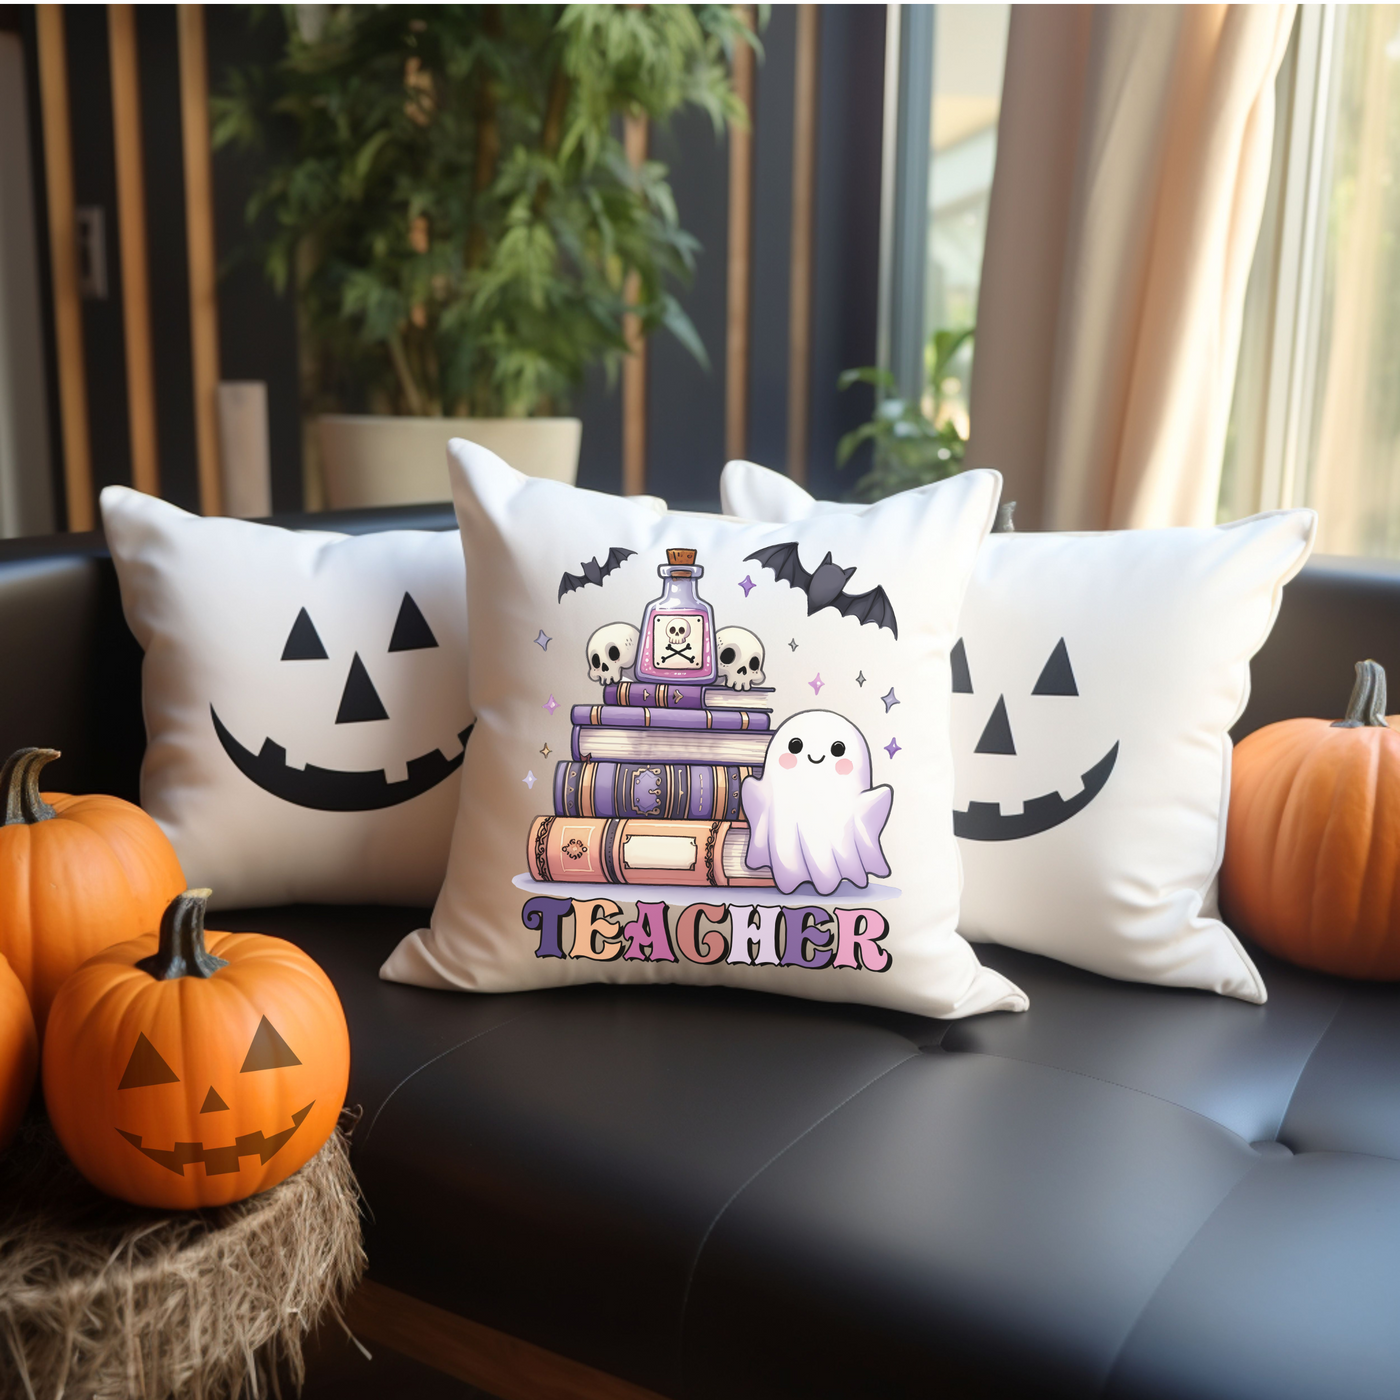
[{"x": 678, "y": 628}]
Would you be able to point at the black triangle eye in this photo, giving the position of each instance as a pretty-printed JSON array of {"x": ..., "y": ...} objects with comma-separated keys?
[
  {"x": 411, "y": 630},
  {"x": 962, "y": 677},
  {"x": 268, "y": 1050},
  {"x": 304, "y": 641},
  {"x": 146, "y": 1067},
  {"x": 1058, "y": 677},
  {"x": 359, "y": 701},
  {"x": 996, "y": 737}
]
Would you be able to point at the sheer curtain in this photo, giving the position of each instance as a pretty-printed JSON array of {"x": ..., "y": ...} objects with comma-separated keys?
[
  {"x": 1354, "y": 475},
  {"x": 1132, "y": 164}
]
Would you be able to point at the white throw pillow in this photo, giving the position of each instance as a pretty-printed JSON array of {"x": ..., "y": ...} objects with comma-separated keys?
[
  {"x": 1097, "y": 679},
  {"x": 600, "y": 833},
  {"x": 305, "y": 698}
]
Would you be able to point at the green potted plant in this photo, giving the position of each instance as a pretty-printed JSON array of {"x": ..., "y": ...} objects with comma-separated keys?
[
  {"x": 915, "y": 441},
  {"x": 455, "y": 207}
]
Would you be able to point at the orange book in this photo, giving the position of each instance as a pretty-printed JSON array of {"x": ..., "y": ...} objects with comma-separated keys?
[{"x": 640, "y": 851}]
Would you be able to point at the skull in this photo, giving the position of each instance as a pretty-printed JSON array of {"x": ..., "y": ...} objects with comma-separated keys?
[
  {"x": 611, "y": 651},
  {"x": 740, "y": 658},
  {"x": 677, "y": 631}
]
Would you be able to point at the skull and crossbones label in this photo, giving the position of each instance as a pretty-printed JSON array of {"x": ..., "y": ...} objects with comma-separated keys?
[{"x": 677, "y": 641}]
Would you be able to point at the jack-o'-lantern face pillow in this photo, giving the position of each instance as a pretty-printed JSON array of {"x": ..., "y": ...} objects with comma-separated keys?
[
  {"x": 305, "y": 699},
  {"x": 1095, "y": 682}
]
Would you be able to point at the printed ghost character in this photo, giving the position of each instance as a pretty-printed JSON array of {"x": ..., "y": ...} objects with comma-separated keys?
[
  {"x": 740, "y": 658},
  {"x": 813, "y": 814},
  {"x": 611, "y": 651}
]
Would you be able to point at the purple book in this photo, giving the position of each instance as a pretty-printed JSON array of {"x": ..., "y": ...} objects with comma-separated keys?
[
  {"x": 708, "y": 746},
  {"x": 642, "y": 717},
  {"x": 662, "y": 791},
  {"x": 682, "y": 697}
]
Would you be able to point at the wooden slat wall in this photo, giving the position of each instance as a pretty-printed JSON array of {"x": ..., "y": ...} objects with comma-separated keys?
[
  {"x": 804, "y": 152},
  {"x": 634, "y": 368},
  {"x": 736, "y": 361},
  {"x": 63, "y": 254},
  {"x": 131, "y": 221},
  {"x": 142, "y": 392},
  {"x": 199, "y": 234}
]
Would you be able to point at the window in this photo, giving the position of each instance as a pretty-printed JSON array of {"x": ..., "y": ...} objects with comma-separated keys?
[
  {"x": 1316, "y": 413},
  {"x": 969, "y": 49},
  {"x": 943, "y": 80}
]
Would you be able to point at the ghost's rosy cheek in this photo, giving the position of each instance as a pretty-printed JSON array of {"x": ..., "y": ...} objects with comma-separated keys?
[
  {"x": 788, "y": 760},
  {"x": 844, "y": 766}
]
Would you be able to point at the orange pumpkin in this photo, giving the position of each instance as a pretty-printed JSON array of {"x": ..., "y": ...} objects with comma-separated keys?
[
  {"x": 19, "y": 1053},
  {"x": 76, "y": 875},
  {"x": 1312, "y": 850},
  {"x": 180, "y": 1073}
]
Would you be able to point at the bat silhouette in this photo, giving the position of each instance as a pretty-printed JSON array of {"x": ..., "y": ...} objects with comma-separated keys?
[
  {"x": 827, "y": 587},
  {"x": 593, "y": 571}
]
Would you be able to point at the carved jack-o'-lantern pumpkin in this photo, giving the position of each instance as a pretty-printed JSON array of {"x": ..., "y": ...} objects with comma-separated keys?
[
  {"x": 181, "y": 1075},
  {"x": 1042, "y": 807}
]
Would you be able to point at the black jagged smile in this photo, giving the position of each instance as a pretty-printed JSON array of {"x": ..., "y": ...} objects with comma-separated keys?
[
  {"x": 220, "y": 1161},
  {"x": 334, "y": 789},
  {"x": 983, "y": 821}
]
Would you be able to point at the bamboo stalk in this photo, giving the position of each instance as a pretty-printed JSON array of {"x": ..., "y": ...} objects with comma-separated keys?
[
  {"x": 131, "y": 222},
  {"x": 63, "y": 255},
  {"x": 199, "y": 237},
  {"x": 804, "y": 150},
  {"x": 736, "y": 359},
  {"x": 634, "y": 367}
]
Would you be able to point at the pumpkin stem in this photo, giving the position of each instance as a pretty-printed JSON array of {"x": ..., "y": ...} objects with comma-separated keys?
[
  {"x": 182, "y": 952},
  {"x": 1005, "y": 525},
  {"x": 1366, "y": 709},
  {"x": 19, "y": 781}
]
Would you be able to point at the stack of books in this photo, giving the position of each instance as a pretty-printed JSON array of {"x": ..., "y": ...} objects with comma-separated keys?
[{"x": 652, "y": 792}]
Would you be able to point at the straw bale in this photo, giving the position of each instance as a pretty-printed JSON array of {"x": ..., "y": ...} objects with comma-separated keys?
[{"x": 103, "y": 1301}]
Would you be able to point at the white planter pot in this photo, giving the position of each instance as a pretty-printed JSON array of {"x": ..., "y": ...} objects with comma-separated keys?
[{"x": 377, "y": 461}]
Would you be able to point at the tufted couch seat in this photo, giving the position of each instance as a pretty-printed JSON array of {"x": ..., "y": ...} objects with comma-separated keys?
[{"x": 1124, "y": 1192}]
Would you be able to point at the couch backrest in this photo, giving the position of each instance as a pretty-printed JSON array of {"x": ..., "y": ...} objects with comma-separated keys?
[
  {"x": 1337, "y": 612},
  {"x": 73, "y": 670}
]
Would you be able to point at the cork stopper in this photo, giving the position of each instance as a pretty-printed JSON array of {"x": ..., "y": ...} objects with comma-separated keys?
[{"x": 680, "y": 556}]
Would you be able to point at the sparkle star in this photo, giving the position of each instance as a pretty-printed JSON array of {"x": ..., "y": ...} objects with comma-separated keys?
[
  {"x": 892, "y": 747},
  {"x": 891, "y": 700},
  {"x": 551, "y": 704},
  {"x": 529, "y": 781},
  {"x": 546, "y": 751},
  {"x": 747, "y": 584},
  {"x": 542, "y": 641},
  {"x": 817, "y": 684},
  {"x": 793, "y": 644},
  {"x": 860, "y": 680}
]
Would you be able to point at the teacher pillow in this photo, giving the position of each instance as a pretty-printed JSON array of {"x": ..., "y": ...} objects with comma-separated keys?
[
  {"x": 708, "y": 751},
  {"x": 305, "y": 699},
  {"x": 1096, "y": 678}
]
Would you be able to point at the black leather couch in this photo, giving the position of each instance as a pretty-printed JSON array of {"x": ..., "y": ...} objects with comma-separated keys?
[{"x": 1125, "y": 1191}]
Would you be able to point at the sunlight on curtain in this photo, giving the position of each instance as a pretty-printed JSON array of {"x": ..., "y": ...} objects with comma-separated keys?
[{"x": 1354, "y": 465}]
